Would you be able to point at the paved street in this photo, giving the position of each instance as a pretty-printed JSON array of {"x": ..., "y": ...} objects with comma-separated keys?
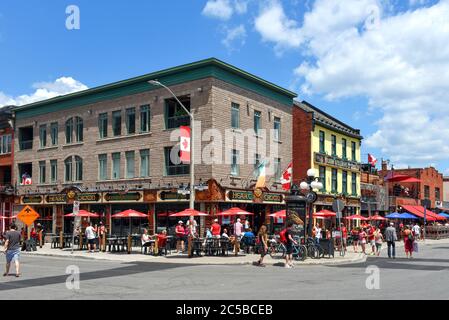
[{"x": 426, "y": 275}]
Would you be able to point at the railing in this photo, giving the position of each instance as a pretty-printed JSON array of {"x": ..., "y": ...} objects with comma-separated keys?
[
  {"x": 437, "y": 232},
  {"x": 26, "y": 144}
]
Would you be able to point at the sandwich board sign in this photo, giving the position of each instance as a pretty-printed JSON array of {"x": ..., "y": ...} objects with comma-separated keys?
[{"x": 28, "y": 215}]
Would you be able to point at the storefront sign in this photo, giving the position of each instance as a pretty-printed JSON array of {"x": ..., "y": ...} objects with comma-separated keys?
[
  {"x": 88, "y": 197},
  {"x": 56, "y": 198},
  {"x": 249, "y": 196},
  {"x": 336, "y": 162},
  {"x": 273, "y": 197},
  {"x": 172, "y": 196},
  {"x": 123, "y": 197},
  {"x": 31, "y": 199},
  {"x": 245, "y": 196}
]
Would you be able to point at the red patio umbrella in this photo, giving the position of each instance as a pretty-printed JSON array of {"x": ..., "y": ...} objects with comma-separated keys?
[
  {"x": 280, "y": 214},
  {"x": 83, "y": 213},
  {"x": 377, "y": 218},
  {"x": 356, "y": 217},
  {"x": 324, "y": 214},
  {"x": 129, "y": 214},
  {"x": 235, "y": 212},
  {"x": 188, "y": 213}
]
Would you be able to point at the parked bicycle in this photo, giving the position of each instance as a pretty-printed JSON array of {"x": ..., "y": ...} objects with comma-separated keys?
[
  {"x": 313, "y": 249},
  {"x": 276, "y": 248}
]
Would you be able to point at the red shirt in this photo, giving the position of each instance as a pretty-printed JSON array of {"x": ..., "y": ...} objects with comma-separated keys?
[
  {"x": 161, "y": 240},
  {"x": 215, "y": 229},
  {"x": 179, "y": 230},
  {"x": 371, "y": 233},
  {"x": 344, "y": 231}
]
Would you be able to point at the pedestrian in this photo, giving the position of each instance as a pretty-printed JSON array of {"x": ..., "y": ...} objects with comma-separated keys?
[
  {"x": 215, "y": 229},
  {"x": 391, "y": 238},
  {"x": 416, "y": 231},
  {"x": 317, "y": 233},
  {"x": 355, "y": 238},
  {"x": 191, "y": 227},
  {"x": 90, "y": 235},
  {"x": 12, "y": 249},
  {"x": 102, "y": 236},
  {"x": 247, "y": 226},
  {"x": 180, "y": 234},
  {"x": 262, "y": 238},
  {"x": 371, "y": 238},
  {"x": 409, "y": 238},
  {"x": 378, "y": 238},
  {"x": 344, "y": 236},
  {"x": 289, "y": 246},
  {"x": 362, "y": 240},
  {"x": 238, "y": 230}
]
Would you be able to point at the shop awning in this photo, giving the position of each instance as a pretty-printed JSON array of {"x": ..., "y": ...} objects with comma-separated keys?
[{"x": 419, "y": 212}]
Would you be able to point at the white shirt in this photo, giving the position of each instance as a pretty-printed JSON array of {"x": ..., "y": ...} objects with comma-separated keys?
[
  {"x": 193, "y": 226},
  {"x": 318, "y": 233},
  {"x": 416, "y": 229},
  {"x": 90, "y": 233}
]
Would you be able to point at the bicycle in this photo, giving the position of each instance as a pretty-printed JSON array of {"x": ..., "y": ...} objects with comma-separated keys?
[
  {"x": 276, "y": 249},
  {"x": 299, "y": 251},
  {"x": 314, "y": 250}
]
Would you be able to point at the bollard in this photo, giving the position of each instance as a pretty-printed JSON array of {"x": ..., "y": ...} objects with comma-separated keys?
[
  {"x": 103, "y": 240},
  {"x": 156, "y": 246},
  {"x": 80, "y": 244},
  {"x": 129, "y": 244},
  {"x": 61, "y": 240}
]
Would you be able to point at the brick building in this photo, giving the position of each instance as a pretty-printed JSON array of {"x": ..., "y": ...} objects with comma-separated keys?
[
  {"x": 374, "y": 197},
  {"x": 6, "y": 163},
  {"x": 109, "y": 147},
  {"x": 406, "y": 193},
  {"x": 332, "y": 148}
]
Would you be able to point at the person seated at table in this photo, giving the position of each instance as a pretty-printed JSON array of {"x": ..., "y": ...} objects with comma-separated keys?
[
  {"x": 145, "y": 239},
  {"x": 162, "y": 241},
  {"x": 208, "y": 236},
  {"x": 215, "y": 229},
  {"x": 248, "y": 239},
  {"x": 225, "y": 234}
]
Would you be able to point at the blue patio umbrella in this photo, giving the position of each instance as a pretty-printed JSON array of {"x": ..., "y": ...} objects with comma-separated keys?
[
  {"x": 408, "y": 216},
  {"x": 394, "y": 215},
  {"x": 444, "y": 215}
]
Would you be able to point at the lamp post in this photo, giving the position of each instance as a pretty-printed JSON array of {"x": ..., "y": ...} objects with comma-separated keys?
[
  {"x": 308, "y": 186},
  {"x": 192, "y": 140}
]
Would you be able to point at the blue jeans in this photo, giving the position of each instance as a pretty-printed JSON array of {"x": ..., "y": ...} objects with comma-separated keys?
[
  {"x": 391, "y": 245},
  {"x": 317, "y": 240}
]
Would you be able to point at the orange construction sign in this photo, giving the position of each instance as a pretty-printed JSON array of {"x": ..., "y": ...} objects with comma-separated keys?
[{"x": 28, "y": 215}]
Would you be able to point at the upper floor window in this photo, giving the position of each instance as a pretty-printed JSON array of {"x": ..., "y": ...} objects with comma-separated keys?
[
  {"x": 103, "y": 125},
  {"x": 53, "y": 171},
  {"x": 257, "y": 117},
  {"x": 78, "y": 169},
  {"x": 173, "y": 165},
  {"x": 43, "y": 136},
  {"x": 277, "y": 169},
  {"x": 68, "y": 166},
  {"x": 353, "y": 151},
  {"x": 257, "y": 165},
  {"x": 79, "y": 126},
  {"x": 42, "y": 172},
  {"x": 344, "y": 146},
  {"x": 354, "y": 184},
  {"x": 334, "y": 145},
  {"x": 116, "y": 165},
  {"x": 69, "y": 131},
  {"x": 277, "y": 128},
  {"x": 437, "y": 194},
  {"x": 117, "y": 123},
  {"x": 145, "y": 118},
  {"x": 175, "y": 115},
  {"x": 426, "y": 192},
  {"x": 130, "y": 164},
  {"x": 69, "y": 174},
  {"x": 26, "y": 138},
  {"x": 322, "y": 142},
  {"x": 345, "y": 182},
  {"x": 235, "y": 167},
  {"x": 54, "y": 130},
  {"x": 102, "y": 167},
  {"x": 235, "y": 116},
  {"x": 5, "y": 144},
  {"x": 334, "y": 186},
  {"x": 145, "y": 163},
  {"x": 323, "y": 177},
  {"x": 74, "y": 127},
  {"x": 131, "y": 120}
]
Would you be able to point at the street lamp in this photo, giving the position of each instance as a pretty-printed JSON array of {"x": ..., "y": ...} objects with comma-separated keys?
[
  {"x": 309, "y": 186},
  {"x": 192, "y": 139}
]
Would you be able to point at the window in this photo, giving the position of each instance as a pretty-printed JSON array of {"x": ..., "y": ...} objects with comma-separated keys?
[
  {"x": 323, "y": 177},
  {"x": 79, "y": 126},
  {"x": 130, "y": 164},
  {"x": 437, "y": 194},
  {"x": 78, "y": 169},
  {"x": 145, "y": 118},
  {"x": 235, "y": 116},
  {"x": 235, "y": 167},
  {"x": 53, "y": 171},
  {"x": 257, "y": 116},
  {"x": 334, "y": 186},
  {"x": 102, "y": 167},
  {"x": 322, "y": 142},
  {"x": 26, "y": 138},
  {"x": 42, "y": 172},
  {"x": 54, "y": 131},
  {"x": 175, "y": 115},
  {"x": 69, "y": 131},
  {"x": 144, "y": 163},
  {"x": 103, "y": 125},
  {"x": 5, "y": 144},
  {"x": 131, "y": 120},
  {"x": 116, "y": 166},
  {"x": 344, "y": 145},
  {"x": 257, "y": 166},
  {"x": 353, "y": 149},
  {"x": 25, "y": 173},
  {"x": 334, "y": 145},
  {"x": 345, "y": 182},
  {"x": 277, "y": 169},
  {"x": 117, "y": 123},
  {"x": 43, "y": 136},
  {"x": 171, "y": 168},
  {"x": 426, "y": 192},
  {"x": 277, "y": 128},
  {"x": 68, "y": 169},
  {"x": 354, "y": 184}
]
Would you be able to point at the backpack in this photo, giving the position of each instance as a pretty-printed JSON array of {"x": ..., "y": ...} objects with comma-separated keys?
[{"x": 282, "y": 236}]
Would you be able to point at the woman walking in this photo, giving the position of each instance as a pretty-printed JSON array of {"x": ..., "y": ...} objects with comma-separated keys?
[
  {"x": 355, "y": 238},
  {"x": 408, "y": 237},
  {"x": 362, "y": 240},
  {"x": 378, "y": 238},
  {"x": 262, "y": 239}
]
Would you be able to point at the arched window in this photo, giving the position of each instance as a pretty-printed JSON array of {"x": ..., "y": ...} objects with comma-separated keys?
[
  {"x": 78, "y": 129},
  {"x": 78, "y": 169},
  {"x": 68, "y": 167},
  {"x": 69, "y": 131}
]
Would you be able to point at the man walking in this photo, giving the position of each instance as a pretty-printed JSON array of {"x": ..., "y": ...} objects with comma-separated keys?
[
  {"x": 90, "y": 235},
  {"x": 12, "y": 249},
  {"x": 238, "y": 229},
  {"x": 391, "y": 237},
  {"x": 416, "y": 231}
]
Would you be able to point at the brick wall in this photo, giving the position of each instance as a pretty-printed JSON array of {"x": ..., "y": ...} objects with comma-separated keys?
[{"x": 302, "y": 144}]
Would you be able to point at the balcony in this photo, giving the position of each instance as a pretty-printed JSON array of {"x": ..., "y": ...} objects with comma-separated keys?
[
  {"x": 6, "y": 188},
  {"x": 325, "y": 159}
]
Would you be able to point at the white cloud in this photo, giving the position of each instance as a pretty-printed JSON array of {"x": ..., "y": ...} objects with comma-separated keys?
[
  {"x": 241, "y": 6},
  {"x": 221, "y": 9},
  {"x": 233, "y": 35},
  {"x": 44, "y": 90},
  {"x": 400, "y": 62}
]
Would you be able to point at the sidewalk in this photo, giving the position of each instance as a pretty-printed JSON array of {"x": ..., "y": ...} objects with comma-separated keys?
[{"x": 242, "y": 259}]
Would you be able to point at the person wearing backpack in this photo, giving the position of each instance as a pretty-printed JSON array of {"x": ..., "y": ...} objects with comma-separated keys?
[{"x": 289, "y": 241}]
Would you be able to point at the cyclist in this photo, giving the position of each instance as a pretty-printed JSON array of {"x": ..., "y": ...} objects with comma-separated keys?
[{"x": 289, "y": 246}]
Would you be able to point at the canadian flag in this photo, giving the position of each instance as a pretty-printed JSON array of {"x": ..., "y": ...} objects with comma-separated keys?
[
  {"x": 26, "y": 181},
  {"x": 185, "y": 144},
  {"x": 372, "y": 160},
  {"x": 286, "y": 179}
]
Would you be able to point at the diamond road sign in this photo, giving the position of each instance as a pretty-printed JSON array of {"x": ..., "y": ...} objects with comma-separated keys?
[{"x": 28, "y": 215}]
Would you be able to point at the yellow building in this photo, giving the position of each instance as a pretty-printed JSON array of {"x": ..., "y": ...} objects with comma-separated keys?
[{"x": 332, "y": 148}]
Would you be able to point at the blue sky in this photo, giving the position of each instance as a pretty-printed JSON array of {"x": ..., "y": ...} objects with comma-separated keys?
[{"x": 370, "y": 63}]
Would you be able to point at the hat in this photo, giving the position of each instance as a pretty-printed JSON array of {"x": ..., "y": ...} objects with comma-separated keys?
[
  {"x": 180, "y": 222},
  {"x": 215, "y": 220}
]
